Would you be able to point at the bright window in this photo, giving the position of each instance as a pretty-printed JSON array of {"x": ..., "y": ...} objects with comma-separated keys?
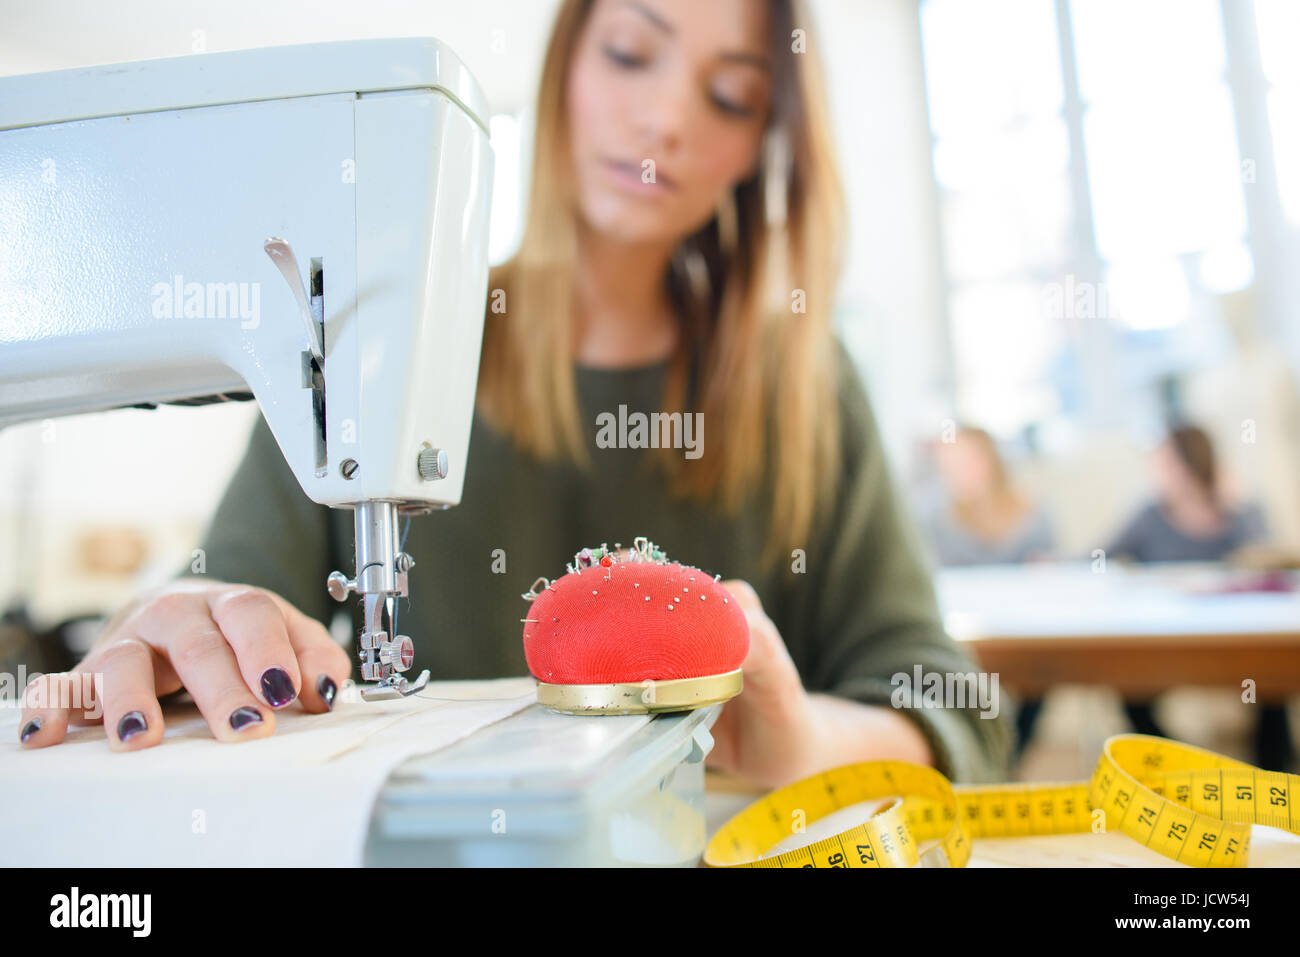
[
  {"x": 1091, "y": 189},
  {"x": 1279, "y": 35}
]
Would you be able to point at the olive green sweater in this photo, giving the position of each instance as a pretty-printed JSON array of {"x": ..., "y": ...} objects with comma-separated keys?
[{"x": 861, "y": 611}]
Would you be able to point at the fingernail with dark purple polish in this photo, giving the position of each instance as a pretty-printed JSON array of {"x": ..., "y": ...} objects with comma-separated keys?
[
  {"x": 30, "y": 728},
  {"x": 277, "y": 687},
  {"x": 241, "y": 718},
  {"x": 327, "y": 689},
  {"x": 132, "y": 723}
]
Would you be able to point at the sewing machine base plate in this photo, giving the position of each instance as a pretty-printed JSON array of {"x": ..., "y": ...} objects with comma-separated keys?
[{"x": 541, "y": 789}]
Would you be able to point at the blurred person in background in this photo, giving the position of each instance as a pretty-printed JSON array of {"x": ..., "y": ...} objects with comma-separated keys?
[
  {"x": 1191, "y": 520},
  {"x": 984, "y": 519}
]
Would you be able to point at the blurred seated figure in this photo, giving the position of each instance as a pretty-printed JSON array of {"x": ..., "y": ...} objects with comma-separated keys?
[
  {"x": 984, "y": 519},
  {"x": 1190, "y": 521}
]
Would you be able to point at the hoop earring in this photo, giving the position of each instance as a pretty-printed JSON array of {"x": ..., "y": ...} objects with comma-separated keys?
[
  {"x": 776, "y": 177},
  {"x": 728, "y": 227},
  {"x": 776, "y": 186},
  {"x": 689, "y": 263}
]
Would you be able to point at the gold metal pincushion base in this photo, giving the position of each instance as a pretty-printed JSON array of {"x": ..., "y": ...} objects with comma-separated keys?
[{"x": 641, "y": 697}]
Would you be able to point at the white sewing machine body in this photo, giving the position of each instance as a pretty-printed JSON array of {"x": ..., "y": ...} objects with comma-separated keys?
[
  {"x": 151, "y": 213},
  {"x": 135, "y": 200}
]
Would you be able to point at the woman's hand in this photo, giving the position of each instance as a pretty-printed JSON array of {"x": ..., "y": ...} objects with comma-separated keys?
[
  {"x": 241, "y": 652},
  {"x": 766, "y": 734},
  {"x": 775, "y": 733}
]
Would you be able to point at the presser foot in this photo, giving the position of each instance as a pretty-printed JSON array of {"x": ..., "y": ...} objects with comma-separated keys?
[{"x": 395, "y": 686}]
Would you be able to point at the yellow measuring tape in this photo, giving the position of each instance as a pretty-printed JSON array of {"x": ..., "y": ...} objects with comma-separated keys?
[{"x": 1187, "y": 803}]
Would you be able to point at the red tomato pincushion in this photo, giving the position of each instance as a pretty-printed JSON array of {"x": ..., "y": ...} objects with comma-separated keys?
[{"x": 628, "y": 631}]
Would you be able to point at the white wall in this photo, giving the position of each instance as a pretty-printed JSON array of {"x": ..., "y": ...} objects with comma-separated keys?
[
  {"x": 500, "y": 41},
  {"x": 892, "y": 287}
]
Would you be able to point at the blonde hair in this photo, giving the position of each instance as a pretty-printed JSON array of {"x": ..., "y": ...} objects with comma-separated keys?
[{"x": 767, "y": 373}]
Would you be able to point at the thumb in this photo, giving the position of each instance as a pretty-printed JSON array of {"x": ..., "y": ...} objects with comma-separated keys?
[{"x": 767, "y": 666}]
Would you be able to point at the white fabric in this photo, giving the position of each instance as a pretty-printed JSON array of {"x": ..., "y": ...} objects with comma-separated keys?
[{"x": 302, "y": 796}]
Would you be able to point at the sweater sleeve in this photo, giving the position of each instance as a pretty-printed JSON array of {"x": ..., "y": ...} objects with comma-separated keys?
[
  {"x": 267, "y": 532},
  {"x": 1136, "y": 539},
  {"x": 876, "y": 618}
]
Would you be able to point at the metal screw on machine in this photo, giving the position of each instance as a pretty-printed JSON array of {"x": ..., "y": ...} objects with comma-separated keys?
[
  {"x": 340, "y": 586},
  {"x": 399, "y": 653},
  {"x": 432, "y": 464}
]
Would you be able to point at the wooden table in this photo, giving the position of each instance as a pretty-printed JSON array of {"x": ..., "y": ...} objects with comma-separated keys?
[{"x": 1138, "y": 630}]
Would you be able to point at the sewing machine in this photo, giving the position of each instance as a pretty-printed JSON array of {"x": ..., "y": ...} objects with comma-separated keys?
[{"x": 306, "y": 226}]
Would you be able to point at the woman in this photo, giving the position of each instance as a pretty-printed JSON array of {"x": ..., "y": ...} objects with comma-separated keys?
[
  {"x": 705, "y": 286},
  {"x": 1189, "y": 521},
  {"x": 986, "y": 520}
]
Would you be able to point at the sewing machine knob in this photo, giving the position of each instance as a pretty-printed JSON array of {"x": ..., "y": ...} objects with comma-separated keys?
[
  {"x": 399, "y": 653},
  {"x": 432, "y": 464},
  {"x": 339, "y": 586}
]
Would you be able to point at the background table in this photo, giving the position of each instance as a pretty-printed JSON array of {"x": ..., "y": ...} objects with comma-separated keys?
[{"x": 1138, "y": 630}]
